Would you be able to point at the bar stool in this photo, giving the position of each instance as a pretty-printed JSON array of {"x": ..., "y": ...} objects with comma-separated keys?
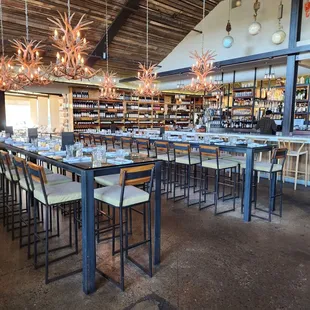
[
  {"x": 53, "y": 197},
  {"x": 143, "y": 147},
  {"x": 123, "y": 197},
  {"x": 126, "y": 143},
  {"x": 76, "y": 136},
  {"x": 109, "y": 142},
  {"x": 163, "y": 152},
  {"x": 9, "y": 193},
  {"x": 209, "y": 159},
  {"x": 184, "y": 162},
  {"x": 97, "y": 139},
  {"x": 298, "y": 154},
  {"x": 85, "y": 138},
  {"x": 273, "y": 168},
  {"x": 23, "y": 180}
]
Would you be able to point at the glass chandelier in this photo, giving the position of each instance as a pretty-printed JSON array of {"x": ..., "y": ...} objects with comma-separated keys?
[
  {"x": 7, "y": 75},
  {"x": 70, "y": 62},
  {"x": 31, "y": 70},
  {"x": 203, "y": 67},
  {"x": 108, "y": 85},
  {"x": 146, "y": 74}
]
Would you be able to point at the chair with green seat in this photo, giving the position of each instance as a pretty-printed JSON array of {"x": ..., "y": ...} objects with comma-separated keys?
[
  {"x": 53, "y": 197},
  {"x": 274, "y": 169},
  {"x": 163, "y": 152},
  {"x": 123, "y": 197},
  {"x": 185, "y": 170},
  {"x": 210, "y": 160}
]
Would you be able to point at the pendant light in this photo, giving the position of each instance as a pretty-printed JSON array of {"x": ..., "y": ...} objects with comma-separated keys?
[
  {"x": 279, "y": 36},
  {"x": 228, "y": 41},
  {"x": 70, "y": 62},
  {"x": 7, "y": 75},
  {"x": 203, "y": 67},
  {"x": 147, "y": 74},
  {"x": 31, "y": 70},
  {"x": 107, "y": 87},
  {"x": 255, "y": 27}
]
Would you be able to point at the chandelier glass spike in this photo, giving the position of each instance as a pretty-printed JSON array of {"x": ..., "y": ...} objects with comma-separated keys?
[
  {"x": 203, "y": 67},
  {"x": 70, "y": 62},
  {"x": 146, "y": 74},
  {"x": 7, "y": 75},
  {"x": 108, "y": 85},
  {"x": 31, "y": 70}
]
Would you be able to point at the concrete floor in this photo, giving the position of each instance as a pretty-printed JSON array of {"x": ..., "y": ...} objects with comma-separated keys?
[{"x": 208, "y": 262}]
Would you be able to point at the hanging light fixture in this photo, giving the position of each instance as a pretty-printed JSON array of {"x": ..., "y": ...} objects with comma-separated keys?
[
  {"x": 70, "y": 62},
  {"x": 108, "y": 85},
  {"x": 7, "y": 75},
  {"x": 203, "y": 67},
  {"x": 147, "y": 74},
  {"x": 279, "y": 36},
  {"x": 31, "y": 70},
  {"x": 228, "y": 41},
  {"x": 255, "y": 27}
]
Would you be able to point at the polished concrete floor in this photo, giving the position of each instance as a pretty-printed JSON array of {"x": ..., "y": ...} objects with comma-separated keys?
[{"x": 208, "y": 262}]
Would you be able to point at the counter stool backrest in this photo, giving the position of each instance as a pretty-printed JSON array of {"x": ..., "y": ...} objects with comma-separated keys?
[
  {"x": 5, "y": 160},
  {"x": 137, "y": 176},
  {"x": 76, "y": 137},
  {"x": 143, "y": 144},
  {"x": 162, "y": 148},
  {"x": 288, "y": 144},
  {"x": 20, "y": 166},
  {"x": 109, "y": 140},
  {"x": 126, "y": 143},
  {"x": 278, "y": 157},
  {"x": 37, "y": 174},
  {"x": 181, "y": 150},
  {"x": 97, "y": 139},
  {"x": 209, "y": 152}
]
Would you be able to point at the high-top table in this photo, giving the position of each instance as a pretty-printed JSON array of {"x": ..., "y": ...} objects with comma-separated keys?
[{"x": 88, "y": 173}]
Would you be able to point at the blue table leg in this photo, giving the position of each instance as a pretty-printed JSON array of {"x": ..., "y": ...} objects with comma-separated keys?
[
  {"x": 157, "y": 212},
  {"x": 88, "y": 232},
  {"x": 248, "y": 185}
]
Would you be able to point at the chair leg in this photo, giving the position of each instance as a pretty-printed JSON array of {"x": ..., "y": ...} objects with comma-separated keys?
[
  {"x": 149, "y": 222},
  {"x": 122, "y": 280},
  {"x": 46, "y": 242},
  {"x": 296, "y": 172},
  {"x": 306, "y": 172}
]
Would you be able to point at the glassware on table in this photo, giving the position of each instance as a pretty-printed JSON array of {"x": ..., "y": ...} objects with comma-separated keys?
[
  {"x": 98, "y": 156},
  {"x": 69, "y": 151}
]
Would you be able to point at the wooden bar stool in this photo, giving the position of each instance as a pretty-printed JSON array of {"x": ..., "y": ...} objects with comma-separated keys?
[
  {"x": 185, "y": 162},
  {"x": 274, "y": 168},
  {"x": 126, "y": 143},
  {"x": 210, "y": 160},
  {"x": 53, "y": 197},
  {"x": 97, "y": 139},
  {"x": 296, "y": 150},
  {"x": 123, "y": 197},
  {"x": 109, "y": 142},
  {"x": 144, "y": 147}
]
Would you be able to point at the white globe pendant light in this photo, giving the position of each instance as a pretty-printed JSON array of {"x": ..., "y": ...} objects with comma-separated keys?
[
  {"x": 255, "y": 27},
  {"x": 279, "y": 36}
]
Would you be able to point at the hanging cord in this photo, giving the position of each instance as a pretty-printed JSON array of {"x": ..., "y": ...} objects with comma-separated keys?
[
  {"x": 147, "y": 33},
  {"x": 107, "y": 35},
  {"x": 27, "y": 25},
  {"x": 1, "y": 24},
  {"x": 203, "y": 26},
  {"x": 69, "y": 11}
]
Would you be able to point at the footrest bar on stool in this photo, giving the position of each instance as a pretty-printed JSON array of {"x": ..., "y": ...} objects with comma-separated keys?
[
  {"x": 64, "y": 275},
  {"x": 132, "y": 260}
]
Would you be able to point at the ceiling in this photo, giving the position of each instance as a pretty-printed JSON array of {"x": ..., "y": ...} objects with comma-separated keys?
[{"x": 170, "y": 22}]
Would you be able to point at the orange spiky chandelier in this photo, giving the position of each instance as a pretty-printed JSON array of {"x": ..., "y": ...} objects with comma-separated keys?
[
  {"x": 203, "y": 68},
  {"x": 31, "y": 70},
  {"x": 70, "y": 62},
  {"x": 146, "y": 74},
  {"x": 7, "y": 75}
]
